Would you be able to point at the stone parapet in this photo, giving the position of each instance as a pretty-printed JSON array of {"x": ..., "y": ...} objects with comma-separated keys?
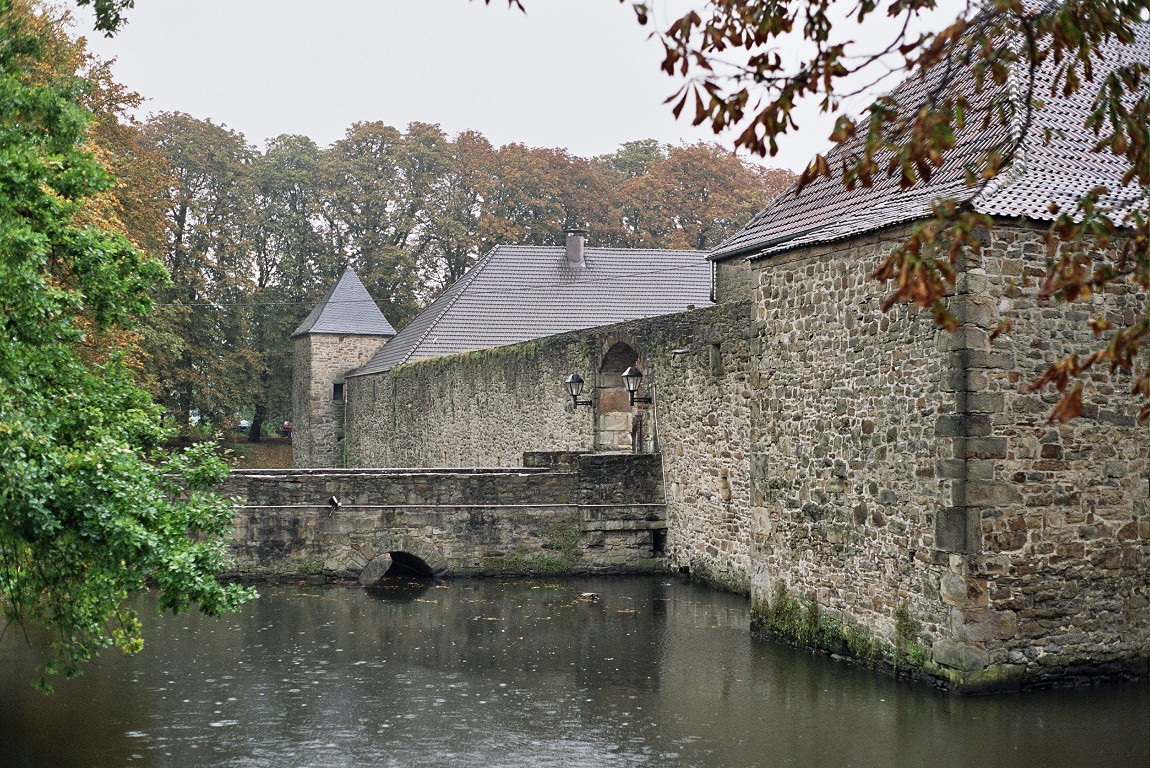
[
  {"x": 335, "y": 524},
  {"x": 506, "y": 406}
]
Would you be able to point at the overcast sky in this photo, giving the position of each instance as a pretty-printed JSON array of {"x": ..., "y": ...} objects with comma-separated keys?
[{"x": 577, "y": 74}]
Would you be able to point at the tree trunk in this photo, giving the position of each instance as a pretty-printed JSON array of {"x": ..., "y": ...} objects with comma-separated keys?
[{"x": 255, "y": 431}]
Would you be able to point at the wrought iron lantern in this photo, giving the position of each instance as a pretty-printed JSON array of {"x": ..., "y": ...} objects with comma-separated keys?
[
  {"x": 632, "y": 378},
  {"x": 574, "y": 384}
]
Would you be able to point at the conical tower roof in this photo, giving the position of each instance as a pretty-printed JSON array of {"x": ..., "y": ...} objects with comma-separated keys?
[{"x": 347, "y": 308}]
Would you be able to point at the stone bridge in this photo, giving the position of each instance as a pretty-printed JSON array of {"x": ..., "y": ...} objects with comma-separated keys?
[{"x": 559, "y": 513}]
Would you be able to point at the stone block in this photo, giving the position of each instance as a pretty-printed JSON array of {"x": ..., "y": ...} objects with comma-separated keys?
[
  {"x": 982, "y": 359},
  {"x": 980, "y": 469},
  {"x": 960, "y": 379},
  {"x": 966, "y": 337},
  {"x": 983, "y": 447},
  {"x": 985, "y": 402},
  {"x": 962, "y": 592},
  {"x": 375, "y": 570},
  {"x": 1116, "y": 419},
  {"x": 962, "y": 425},
  {"x": 951, "y": 469},
  {"x": 760, "y": 520},
  {"x": 979, "y": 311},
  {"x": 960, "y": 655},
  {"x": 956, "y": 530},
  {"x": 1116, "y": 468},
  {"x": 983, "y": 625},
  {"x": 992, "y": 494}
]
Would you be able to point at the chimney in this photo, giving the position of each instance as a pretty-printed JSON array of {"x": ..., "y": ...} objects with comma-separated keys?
[{"x": 575, "y": 241}]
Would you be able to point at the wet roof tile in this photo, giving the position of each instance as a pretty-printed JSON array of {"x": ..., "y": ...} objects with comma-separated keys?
[
  {"x": 1056, "y": 165},
  {"x": 346, "y": 308},
  {"x": 519, "y": 293}
]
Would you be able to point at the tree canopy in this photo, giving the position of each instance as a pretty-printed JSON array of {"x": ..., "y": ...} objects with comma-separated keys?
[
  {"x": 252, "y": 239},
  {"x": 90, "y": 507}
]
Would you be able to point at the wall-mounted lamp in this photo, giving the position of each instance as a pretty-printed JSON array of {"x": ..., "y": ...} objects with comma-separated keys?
[
  {"x": 632, "y": 378},
  {"x": 574, "y": 384}
]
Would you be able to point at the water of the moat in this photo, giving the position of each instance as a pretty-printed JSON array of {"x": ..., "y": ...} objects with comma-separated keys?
[{"x": 588, "y": 672}]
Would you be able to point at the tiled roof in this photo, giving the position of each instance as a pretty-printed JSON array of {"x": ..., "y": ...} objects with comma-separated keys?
[
  {"x": 518, "y": 293},
  {"x": 347, "y": 308},
  {"x": 1058, "y": 171}
]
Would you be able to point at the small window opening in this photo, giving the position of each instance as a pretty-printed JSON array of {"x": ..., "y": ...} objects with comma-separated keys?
[
  {"x": 716, "y": 360},
  {"x": 337, "y": 392}
]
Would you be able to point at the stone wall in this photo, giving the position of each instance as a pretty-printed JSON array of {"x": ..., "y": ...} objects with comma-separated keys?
[
  {"x": 319, "y": 362},
  {"x": 488, "y": 408},
  {"x": 902, "y": 472},
  {"x": 472, "y": 410},
  {"x": 568, "y": 513},
  {"x": 732, "y": 280},
  {"x": 898, "y": 477},
  {"x": 1056, "y": 580}
]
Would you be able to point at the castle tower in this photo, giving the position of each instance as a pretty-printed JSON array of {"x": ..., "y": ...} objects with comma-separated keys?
[{"x": 341, "y": 334}]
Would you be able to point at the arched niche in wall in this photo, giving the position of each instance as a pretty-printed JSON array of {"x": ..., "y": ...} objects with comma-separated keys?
[{"x": 614, "y": 417}]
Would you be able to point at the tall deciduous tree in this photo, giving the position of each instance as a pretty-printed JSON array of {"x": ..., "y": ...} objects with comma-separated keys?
[
  {"x": 89, "y": 510},
  {"x": 199, "y": 334},
  {"x": 452, "y": 237},
  {"x": 540, "y": 192},
  {"x": 373, "y": 186},
  {"x": 695, "y": 196},
  {"x": 634, "y": 158},
  {"x": 293, "y": 265}
]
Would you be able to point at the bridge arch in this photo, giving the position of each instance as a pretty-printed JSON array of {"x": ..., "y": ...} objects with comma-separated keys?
[{"x": 406, "y": 556}]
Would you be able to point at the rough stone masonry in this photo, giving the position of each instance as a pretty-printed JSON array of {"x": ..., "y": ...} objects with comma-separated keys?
[
  {"x": 897, "y": 466},
  {"x": 900, "y": 479}
]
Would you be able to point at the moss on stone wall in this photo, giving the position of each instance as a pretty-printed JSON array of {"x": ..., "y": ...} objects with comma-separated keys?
[{"x": 797, "y": 619}]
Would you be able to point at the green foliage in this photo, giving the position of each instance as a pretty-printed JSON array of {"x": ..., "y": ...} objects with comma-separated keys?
[
  {"x": 561, "y": 554},
  {"x": 801, "y": 620},
  {"x": 906, "y": 650},
  {"x": 520, "y": 563},
  {"x": 109, "y": 13},
  {"x": 565, "y": 540},
  {"x": 860, "y": 643},
  {"x": 309, "y": 566},
  {"x": 198, "y": 341},
  {"x": 905, "y": 626},
  {"x": 784, "y": 615},
  {"x": 90, "y": 509},
  {"x": 916, "y": 655}
]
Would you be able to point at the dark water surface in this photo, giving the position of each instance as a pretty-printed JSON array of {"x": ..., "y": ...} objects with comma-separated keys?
[{"x": 589, "y": 672}]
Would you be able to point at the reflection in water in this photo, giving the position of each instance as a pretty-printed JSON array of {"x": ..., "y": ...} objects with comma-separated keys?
[
  {"x": 589, "y": 672},
  {"x": 391, "y": 589}
]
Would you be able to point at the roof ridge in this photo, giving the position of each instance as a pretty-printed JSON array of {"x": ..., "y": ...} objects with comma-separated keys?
[
  {"x": 560, "y": 248},
  {"x": 469, "y": 276},
  {"x": 1017, "y": 167},
  {"x": 313, "y": 316}
]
